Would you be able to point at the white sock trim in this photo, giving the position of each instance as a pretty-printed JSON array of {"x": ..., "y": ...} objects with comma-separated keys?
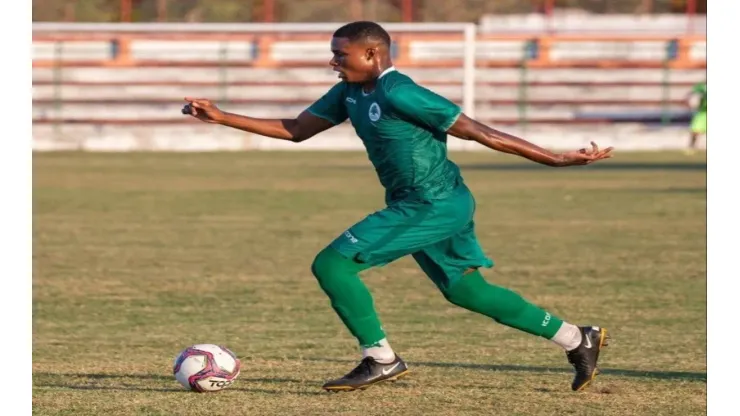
[
  {"x": 568, "y": 336},
  {"x": 382, "y": 353}
]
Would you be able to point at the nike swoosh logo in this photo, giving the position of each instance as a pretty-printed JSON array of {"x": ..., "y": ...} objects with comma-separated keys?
[
  {"x": 387, "y": 371},
  {"x": 588, "y": 341}
]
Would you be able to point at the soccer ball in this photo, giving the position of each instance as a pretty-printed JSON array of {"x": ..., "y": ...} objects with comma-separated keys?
[{"x": 206, "y": 368}]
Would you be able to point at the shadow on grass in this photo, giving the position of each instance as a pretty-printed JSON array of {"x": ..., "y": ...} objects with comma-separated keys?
[
  {"x": 659, "y": 375},
  {"x": 118, "y": 382},
  {"x": 82, "y": 381}
]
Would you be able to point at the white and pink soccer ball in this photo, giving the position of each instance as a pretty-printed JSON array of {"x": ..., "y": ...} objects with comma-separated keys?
[{"x": 206, "y": 368}]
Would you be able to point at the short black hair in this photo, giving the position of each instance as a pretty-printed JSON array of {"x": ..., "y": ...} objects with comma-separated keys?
[{"x": 363, "y": 30}]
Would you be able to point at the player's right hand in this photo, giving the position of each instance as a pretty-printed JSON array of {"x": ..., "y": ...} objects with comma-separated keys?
[{"x": 204, "y": 110}]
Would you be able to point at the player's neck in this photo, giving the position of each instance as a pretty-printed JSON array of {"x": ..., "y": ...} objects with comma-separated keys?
[{"x": 382, "y": 69}]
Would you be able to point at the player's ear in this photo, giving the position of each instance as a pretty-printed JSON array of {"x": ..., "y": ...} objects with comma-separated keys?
[{"x": 370, "y": 53}]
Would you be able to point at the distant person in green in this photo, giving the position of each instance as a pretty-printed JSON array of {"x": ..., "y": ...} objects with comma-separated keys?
[
  {"x": 697, "y": 101},
  {"x": 429, "y": 212}
]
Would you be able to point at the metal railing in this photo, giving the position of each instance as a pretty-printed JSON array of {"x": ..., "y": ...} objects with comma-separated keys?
[{"x": 453, "y": 49}]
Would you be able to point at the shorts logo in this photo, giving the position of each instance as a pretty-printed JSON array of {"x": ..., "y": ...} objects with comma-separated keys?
[
  {"x": 374, "y": 112},
  {"x": 546, "y": 320},
  {"x": 351, "y": 238}
]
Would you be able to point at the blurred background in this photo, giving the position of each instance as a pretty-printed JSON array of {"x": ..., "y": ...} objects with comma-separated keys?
[{"x": 111, "y": 74}]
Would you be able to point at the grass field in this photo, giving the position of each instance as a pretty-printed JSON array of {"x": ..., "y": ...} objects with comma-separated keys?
[{"x": 137, "y": 256}]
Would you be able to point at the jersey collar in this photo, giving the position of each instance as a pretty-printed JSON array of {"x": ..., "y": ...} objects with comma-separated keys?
[{"x": 387, "y": 70}]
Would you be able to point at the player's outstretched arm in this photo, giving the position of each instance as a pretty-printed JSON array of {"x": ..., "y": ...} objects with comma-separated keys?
[
  {"x": 468, "y": 129},
  {"x": 298, "y": 129}
]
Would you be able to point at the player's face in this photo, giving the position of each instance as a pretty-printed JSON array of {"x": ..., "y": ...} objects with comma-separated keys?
[{"x": 353, "y": 61}]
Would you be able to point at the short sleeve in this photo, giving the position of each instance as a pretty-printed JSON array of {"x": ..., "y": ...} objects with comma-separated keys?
[
  {"x": 331, "y": 105},
  {"x": 424, "y": 107}
]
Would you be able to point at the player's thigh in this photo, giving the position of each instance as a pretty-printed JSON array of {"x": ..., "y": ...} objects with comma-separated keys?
[
  {"x": 399, "y": 230},
  {"x": 446, "y": 261}
]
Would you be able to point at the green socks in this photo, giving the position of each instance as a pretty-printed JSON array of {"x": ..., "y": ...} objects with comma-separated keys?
[
  {"x": 472, "y": 292},
  {"x": 338, "y": 277},
  {"x": 350, "y": 298}
]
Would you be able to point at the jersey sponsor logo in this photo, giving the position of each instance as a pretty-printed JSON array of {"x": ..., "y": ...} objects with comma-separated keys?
[
  {"x": 546, "y": 321},
  {"x": 374, "y": 112}
]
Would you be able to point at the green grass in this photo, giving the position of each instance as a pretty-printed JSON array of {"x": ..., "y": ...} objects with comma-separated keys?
[{"x": 137, "y": 256}]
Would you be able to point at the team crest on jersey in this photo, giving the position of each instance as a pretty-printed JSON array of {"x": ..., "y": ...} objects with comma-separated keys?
[{"x": 374, "y": 112}]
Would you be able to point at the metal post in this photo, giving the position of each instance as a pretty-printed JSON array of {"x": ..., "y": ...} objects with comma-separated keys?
[
  {"x": 523, "y": 96},
  {"x": 223, "y": 70},
  {"x": 126, "y": 10},
  {"x": 671, "y": 54},
  {"x": 549, "y": 7},
  {"x": 665, "y": 118},
  {"x": 469, "y": 70},
  {"x": 648, "y": 6},
  {"x": 470, "y": 36},
  {"x": 57, "y": 76},
  {"x": 69, "y": 11},
  {"x": 355, "y": 9},
  {"x": 223, "y": 75},
  {"x": 522, "y": 99},
  {"x": 161, "y": 10},
  {"x": 269, "y": 10},
  {"x": 407, "y": 10},
  {"x": 690, "y": 13},
  {"x": 373, "y": 9}
]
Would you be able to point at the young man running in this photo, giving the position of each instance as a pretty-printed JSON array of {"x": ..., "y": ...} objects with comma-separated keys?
[{"x": 430, "y": 210}]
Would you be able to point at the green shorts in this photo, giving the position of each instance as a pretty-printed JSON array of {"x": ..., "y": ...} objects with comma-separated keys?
[
  {"x": 699, "y": 123},
  {"x": 440, "y": 235}
]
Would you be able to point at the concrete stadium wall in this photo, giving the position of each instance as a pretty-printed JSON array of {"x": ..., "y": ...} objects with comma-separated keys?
[
  {"x": 225, "y": 51},
  {"x": 577, "y": 21},
  {"x": 193, "y": 136}
]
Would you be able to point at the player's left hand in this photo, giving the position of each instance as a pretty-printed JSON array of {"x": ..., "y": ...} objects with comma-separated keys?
[
  {"x": 203, "y": 109},
  {"x": 585, "y": 156}
]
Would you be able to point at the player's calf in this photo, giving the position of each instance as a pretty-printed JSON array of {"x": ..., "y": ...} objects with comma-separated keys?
[
  {"x": 349, "y": 297},
  {"x": 582, "y": 345}
]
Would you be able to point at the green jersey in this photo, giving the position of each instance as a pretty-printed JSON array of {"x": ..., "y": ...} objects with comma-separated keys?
[
  {"x": 403, "y": 128},
  {"x": 701, "y": 90}
]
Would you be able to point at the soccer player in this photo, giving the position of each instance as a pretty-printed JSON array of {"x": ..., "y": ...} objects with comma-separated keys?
[
  {"x": 430, "y": 210},
  {"x": 697, "y": 100}
]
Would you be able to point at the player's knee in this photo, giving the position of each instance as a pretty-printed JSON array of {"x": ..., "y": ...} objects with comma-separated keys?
[
  {"x": 457, "y": 293},
  {"x": 466, "y": 291},
  {"x": 327, "y": 263},
  {"x": 460, "y": 290},
  {"x": 321, "y": 264},
  {"x": 455, "y": 297}
]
